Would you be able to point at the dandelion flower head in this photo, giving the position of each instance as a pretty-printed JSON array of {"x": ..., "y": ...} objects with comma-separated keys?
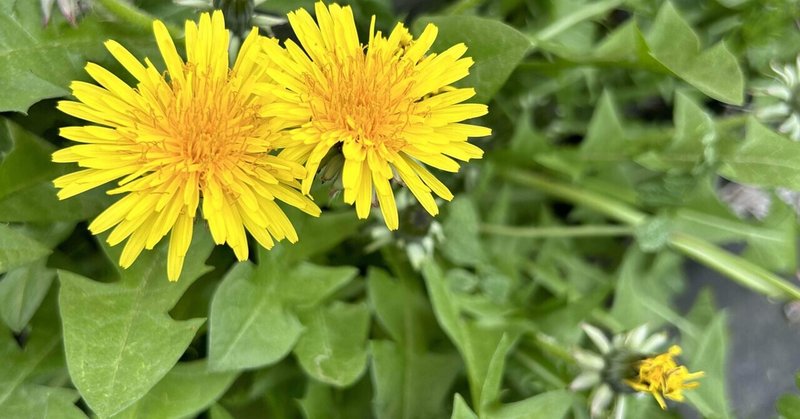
[
  {"x": 662, "y": 377},
  {"x": 176, "y": 142},
  {"x": 388, "y": 107}
]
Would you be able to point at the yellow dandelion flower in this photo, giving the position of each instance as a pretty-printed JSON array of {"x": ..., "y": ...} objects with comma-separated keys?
[
  {"x": 388, "y": 105},
  {"x": 664, "y": 378},
  {"x": 172, "y": 141}
]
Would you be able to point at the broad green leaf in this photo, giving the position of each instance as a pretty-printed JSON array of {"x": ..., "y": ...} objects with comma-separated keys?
[
  {"x": 40, "y": 401},
  {"x": 186, "y": 390},
  {"x": 318, "y": 402},
  {"x": 605, "y": 136},
  {"x": 21, "y": 291},
  {"x": 118, "y": 338},
  {"x": 38, "y": 203},
  {"x": 490, "y": 391},
  {"x": 495, "y": 47},
  {"x": 21, "y": 394},
  {"x": 771, "y": 244},
  {"x": 321, "y": 401},
  {"x": 462, "y": 243},
  {"x": 410, "y": 384},
  {"x": 27, "y": 160},
  {"x": 253, "y": 312},
  {"x": 249, "y": 327},
  {"x": 17, "y": 249},
  {"x": 553, "y": 404},
  {"x": 788, "y": 405},
  {"x": 764, "y": 158},
  {"x": 218, "y": 412},
  {"x": 653, "y": 234},
  {"x": 410, "y": 381},
  {"x": 26, "y": 190},
  {"x": 401, "y": 307},
  {"x": 695, "y": 132},
  {"x": 671, "y": 46},
  {"x": 714, "y": 71},
  {"x": 475, "y": 343},
  {"x": 642, "y": 295},
  {"x": 318, "y": 235},
  {"x": 626, "y": 45},
  {"x": 709, "y": 356},
  {"x": 332, "y": 348},
  {"x": 39, "y": 61},
  {"x": 461, "y": 410},
  {"x": 308, "y": 285},
  {"x": 693, "y": 144}
]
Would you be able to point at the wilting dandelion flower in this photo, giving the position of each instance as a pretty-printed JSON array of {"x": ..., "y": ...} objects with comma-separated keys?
[
  {"x": 623, "y": 364},
  {"x": 662, "y": 377},
  {"x": 171, "y": 142},
  {"x": 387, "y": 106},
  {"x": 786, "y": 93}
]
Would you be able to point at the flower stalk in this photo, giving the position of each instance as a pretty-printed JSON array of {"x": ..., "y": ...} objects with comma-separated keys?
[{"x": 742, "y": 271}]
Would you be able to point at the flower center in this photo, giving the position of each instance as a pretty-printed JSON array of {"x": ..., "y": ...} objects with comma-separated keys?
[
  {"x": 363, "y": 99},
  {"x": 208, "y": 123}
]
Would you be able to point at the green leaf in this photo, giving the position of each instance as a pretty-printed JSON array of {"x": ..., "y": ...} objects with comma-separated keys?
[
  {"x": 553, "y": 404},
  {"x": 21, "y": 291},
  {"x": 462, "y": 243},
  {"x": 708, "y": 355},
  {"x": 318, "y": 235},
  {"x": 694, "y": 141},
  {"x": 409, "y": 381},
  {"x": 248, "y": 325},
  {"x": 118, "y": 338},
  {"x": 490, "y": 391},
  {"x": 17, "y": 249},
  {"x": 401, "y": 308},
  {"x": 218, "y": 412},
  {"x": 475, "y": 343},
  {"x": 642, "y": 295},
  {"x": 605, "y": 136},
  {"x": 713, "y": 71},
  {"x": 764, "y": 158},
  {"x": 653, "y": 234},
  {"x": 308, "y": 285},
  {"x": 626, "y": 45},
  {"x": 186, "y": 390},
  {"x": 27, "y": 160},
  {"x": 38, "y": 203},
  {"x": 333, "y": 349},
  {"x": 410, "y": 384},
  {"x": 789, "y": 406},
  {"x": 21, "y": 393},
  {"x": 771, "y": 244},
  {"x": 38, "y": 61},
  {"x": 496, "y": 48},
  {"x": 695, "y": 132},
  {"x": 253, "y": 312},
  {"x": 461, "y": 410}
]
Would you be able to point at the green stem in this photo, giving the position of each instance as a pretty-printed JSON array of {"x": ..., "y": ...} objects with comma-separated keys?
[
  {"x": 742, "y": 271},
  {"x": 462, "y": 6},
  {"x": 135, "y": 16},
  {"x": 572, "y": 19},
  {"x": 748, "y": 274},
  {"x": 551, "y": 346},
  {"x": 541, "y": 232},
  {"x": 539, "y": 369},
  {"x": 613, "y": 209}
]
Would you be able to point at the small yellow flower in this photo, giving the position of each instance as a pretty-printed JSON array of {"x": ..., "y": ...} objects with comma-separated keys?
[
  {"x": 387, "y": 106},
  {"x": 664, "y": 378},
  {"x": 171, "y": 141}
]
